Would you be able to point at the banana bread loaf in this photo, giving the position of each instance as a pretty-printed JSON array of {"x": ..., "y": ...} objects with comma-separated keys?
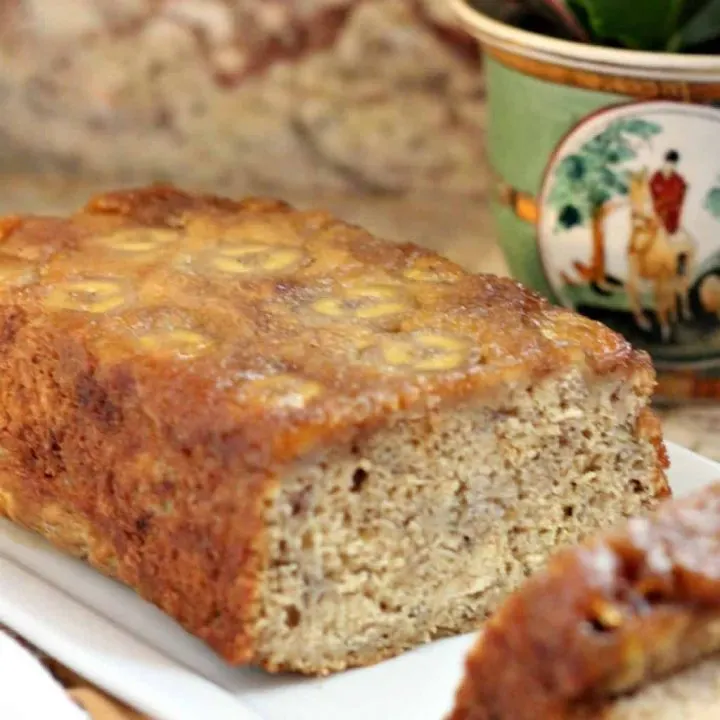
[
  {"x": 312, "y": 448},
  {"x": 625, "y": 627}
]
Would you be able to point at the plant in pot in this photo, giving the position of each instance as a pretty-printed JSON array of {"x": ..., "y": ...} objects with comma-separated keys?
[
  {"x": 689, "y": 26},
  {"x": 604, "y": 139}
]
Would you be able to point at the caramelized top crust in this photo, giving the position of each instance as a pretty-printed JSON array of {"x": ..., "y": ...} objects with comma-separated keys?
[
  {"x": 268, "y": 332},
  {"x": 602, "y": 619}
]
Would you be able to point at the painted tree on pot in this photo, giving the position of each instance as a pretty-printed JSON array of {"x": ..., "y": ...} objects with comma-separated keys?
[
  {"x": 706, "y": 290},
  {"x": 712, "y": 200},
  {"x": 589, "y": 184}
]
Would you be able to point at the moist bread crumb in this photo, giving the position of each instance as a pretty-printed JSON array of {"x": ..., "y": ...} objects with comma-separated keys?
[
  {"x": 623, "y": 627},
  {"x": 312, "y": 448},
  {"x": 691, "y": 694}
]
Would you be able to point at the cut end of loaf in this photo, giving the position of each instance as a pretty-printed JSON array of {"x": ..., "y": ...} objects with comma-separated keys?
[{"x": 419, "y": 531}]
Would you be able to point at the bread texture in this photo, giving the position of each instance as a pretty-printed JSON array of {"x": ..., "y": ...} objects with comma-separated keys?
[
  {"x": 312, "y": 448},
  {"x": 692, "y": 693},
  {"x": 624, "y": 627}
]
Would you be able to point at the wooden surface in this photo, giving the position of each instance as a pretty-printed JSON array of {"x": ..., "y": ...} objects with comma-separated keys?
[{"x": 99, "y": 706}]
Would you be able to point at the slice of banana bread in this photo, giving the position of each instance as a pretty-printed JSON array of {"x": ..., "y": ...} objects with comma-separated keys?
[
  {"x": 600, "y": 633},
  {"x": 312, "y": 448}
]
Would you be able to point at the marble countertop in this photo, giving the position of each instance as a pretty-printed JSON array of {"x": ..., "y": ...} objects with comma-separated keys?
[{"x": 460, "y": 228}]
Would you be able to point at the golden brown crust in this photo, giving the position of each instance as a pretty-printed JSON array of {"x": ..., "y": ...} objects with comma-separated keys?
[
  {"x": 155, "y": 375},
  {"x": 602, "y": 619}
]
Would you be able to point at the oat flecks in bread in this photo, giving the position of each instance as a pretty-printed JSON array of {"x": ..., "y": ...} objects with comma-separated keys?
[
  {"x": 605, "y": 619},
  {"x": 312, "y": 448}
]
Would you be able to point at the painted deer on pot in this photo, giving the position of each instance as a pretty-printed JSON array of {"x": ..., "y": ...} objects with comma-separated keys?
[{"x": 657, "y": 256}]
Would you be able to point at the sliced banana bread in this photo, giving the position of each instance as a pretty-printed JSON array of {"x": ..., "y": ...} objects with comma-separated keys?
[{"x": 624, "y": 627}]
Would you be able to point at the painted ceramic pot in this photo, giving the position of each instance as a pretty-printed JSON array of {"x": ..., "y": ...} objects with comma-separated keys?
[{"x": 607, "y": 165}]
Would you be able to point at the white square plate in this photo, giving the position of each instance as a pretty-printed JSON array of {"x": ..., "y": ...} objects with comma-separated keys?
[{"x": 108, "y": 635}]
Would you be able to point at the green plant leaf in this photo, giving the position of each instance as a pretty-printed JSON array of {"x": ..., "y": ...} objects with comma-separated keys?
[
  {"x": 702, "y": 27},
  {"x": 637, "y": 24},
  {"x": 691, "y": 7}
]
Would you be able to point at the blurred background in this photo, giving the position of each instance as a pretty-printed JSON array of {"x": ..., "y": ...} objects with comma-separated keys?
[{"x": 353, "y": 104}]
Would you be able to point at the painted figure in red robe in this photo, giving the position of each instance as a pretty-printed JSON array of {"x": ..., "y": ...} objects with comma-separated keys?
[{"x": 668, "y": 189}]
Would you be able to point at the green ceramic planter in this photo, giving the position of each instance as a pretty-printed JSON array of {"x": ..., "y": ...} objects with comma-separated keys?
[{"x": 607, "y": 165}]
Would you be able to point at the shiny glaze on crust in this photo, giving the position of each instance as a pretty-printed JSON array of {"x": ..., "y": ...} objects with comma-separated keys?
[
  {"x": 342, "y": 296},
  {"x": 602, "y": 620},
  {"x": 164, "y": 357}
]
